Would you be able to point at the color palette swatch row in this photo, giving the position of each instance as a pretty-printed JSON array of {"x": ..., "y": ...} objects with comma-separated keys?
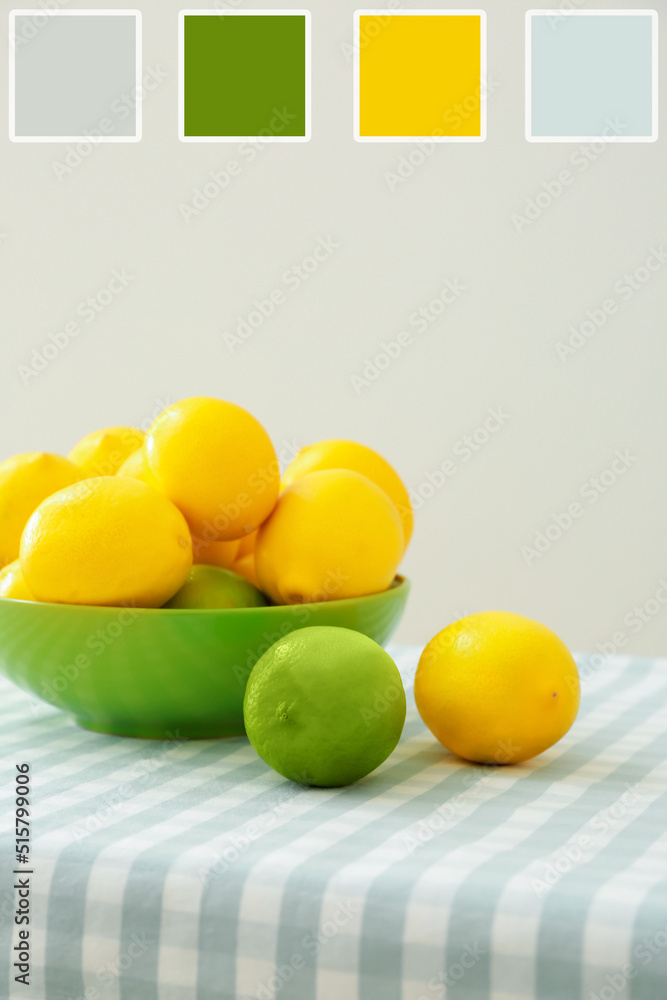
[{"x": 419, "y": 75}]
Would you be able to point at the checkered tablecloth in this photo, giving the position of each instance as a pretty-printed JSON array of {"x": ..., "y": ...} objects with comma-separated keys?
[{"x": 190, "y": 871}]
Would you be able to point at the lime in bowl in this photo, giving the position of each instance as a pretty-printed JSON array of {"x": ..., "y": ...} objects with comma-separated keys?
[{"x": 166, "y": 673}]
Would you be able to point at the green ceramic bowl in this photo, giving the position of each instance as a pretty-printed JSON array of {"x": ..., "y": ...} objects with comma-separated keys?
[{"x": 163, "y": 673}]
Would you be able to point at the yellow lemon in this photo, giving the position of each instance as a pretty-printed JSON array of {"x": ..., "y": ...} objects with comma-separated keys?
[
  {"x": 107, "y": 541},
  {"x": 245, "y": 567},
  {"x": 247, "y": 544},
  {"x": 26, "y": 480},
  {"x": 244, "y": 562},
  {"x": 497, "y": 688},
  {"x": 12, "y": 583},
  {"x": 216, "y": 463},
  {"x": 134, "y": 466},
  {"x": 103, "y": 452},
  {"x": 221, "y": 554},
  {"x": 336, "y": 454},
  {"x": 333, "y": 534}
]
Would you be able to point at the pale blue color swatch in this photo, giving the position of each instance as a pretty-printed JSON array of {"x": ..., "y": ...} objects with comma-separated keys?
[{"x": 591, "y": 75}]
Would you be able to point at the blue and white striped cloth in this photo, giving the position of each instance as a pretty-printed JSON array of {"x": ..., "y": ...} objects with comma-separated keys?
[{"x": 190, "y": 871}]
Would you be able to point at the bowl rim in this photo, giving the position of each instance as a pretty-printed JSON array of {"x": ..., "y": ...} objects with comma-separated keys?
[{"x": 399, "y": 583}]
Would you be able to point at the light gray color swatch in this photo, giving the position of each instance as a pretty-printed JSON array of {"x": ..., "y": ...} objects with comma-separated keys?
[
  {"x": 75, "y": 76},
  {"x": 591, "y": 75}
]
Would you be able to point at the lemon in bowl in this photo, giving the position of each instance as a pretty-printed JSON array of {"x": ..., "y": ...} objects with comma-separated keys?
[
  {"x": 355, "y": 457},
  {"x": 25, "y": 481},
  {"x": 216, "y": 462},
  {"x": 111, "y": 541},
  {"x": 333, "y": 534},
  {"x": 103, "y": 452},
  {"x": 136, "y": 604}
]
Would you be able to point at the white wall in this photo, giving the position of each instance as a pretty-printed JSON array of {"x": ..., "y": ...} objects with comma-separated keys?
[{"x": 494, "y": 348}]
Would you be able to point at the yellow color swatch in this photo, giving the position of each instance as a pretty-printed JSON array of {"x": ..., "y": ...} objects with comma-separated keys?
[{"x": 420, "y": 75}]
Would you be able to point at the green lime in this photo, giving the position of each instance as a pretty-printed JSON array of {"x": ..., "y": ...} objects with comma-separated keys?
[
  {"x": 324, "y": 706},
  {"x": 213, "y": 587}
]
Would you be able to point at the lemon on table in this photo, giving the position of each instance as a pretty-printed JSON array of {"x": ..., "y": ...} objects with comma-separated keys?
[
  {"x": 340, "y": 454},
  {"x": 103, "y": 452},
  {"x": 324, "y": 706},
  {"x": 497, "y": 688},
  {"x": 223, "y": 554},
  {"x": 12, "y": 583},
  {"x": 107, "y": 541},
  {"x": 215, "y": 461},
  {"x": 333, "y": 534},
  {"x": 26, "y": 480},
  {"x": 213, "y": 587}
]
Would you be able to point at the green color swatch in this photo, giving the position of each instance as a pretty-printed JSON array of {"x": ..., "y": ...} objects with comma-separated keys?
[{"x": 245, "y": 75}]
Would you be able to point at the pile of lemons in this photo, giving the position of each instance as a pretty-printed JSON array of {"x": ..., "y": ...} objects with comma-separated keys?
[
  {"x": 195, "y": 513},
  {"x": 122, "y": 519}
]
